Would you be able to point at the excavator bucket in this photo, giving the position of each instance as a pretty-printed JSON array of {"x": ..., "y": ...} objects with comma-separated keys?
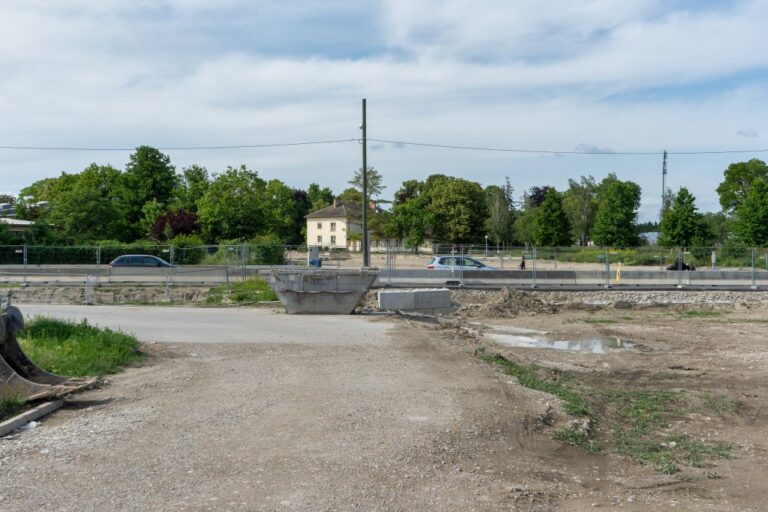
[{"x": 19, "y": 376}]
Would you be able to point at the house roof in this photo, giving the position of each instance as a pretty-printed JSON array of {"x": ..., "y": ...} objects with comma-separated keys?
[{"x": 338, "y": 210}]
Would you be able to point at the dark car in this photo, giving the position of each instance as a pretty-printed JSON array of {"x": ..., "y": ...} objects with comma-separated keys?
[
  {"x": 680, "y": 265},
  {"x": 139, "y": 260}
]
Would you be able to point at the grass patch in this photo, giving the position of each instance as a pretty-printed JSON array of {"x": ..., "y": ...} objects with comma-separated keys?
[
  {"x": 624, "y": 421},
  {"x": 252, "y": 290},
  {"x": 77, "y": 349},
  {"x": 600, "y": 321},
  {"x": 703, "y": 313},
  {"x": 10, "y": 406}
]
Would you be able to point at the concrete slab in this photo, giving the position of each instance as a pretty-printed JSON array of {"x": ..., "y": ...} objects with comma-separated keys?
[{"x": 429, "y": 301}]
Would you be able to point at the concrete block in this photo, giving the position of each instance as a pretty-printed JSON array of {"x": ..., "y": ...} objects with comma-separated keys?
[{"x": 420, "y": 301}]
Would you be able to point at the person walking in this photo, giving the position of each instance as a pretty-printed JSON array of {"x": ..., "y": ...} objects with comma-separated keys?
[{"x": 522, "y": 262}]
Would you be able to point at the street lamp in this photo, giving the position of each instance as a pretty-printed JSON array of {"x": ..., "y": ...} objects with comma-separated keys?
[{"x": 486, "y": 246}]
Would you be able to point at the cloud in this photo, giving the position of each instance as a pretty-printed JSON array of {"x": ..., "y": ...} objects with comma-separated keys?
[
  {"x": 591, "y": 148},
  {"x": 749, "y": 132},
  {"x": 496, "y": 74}
]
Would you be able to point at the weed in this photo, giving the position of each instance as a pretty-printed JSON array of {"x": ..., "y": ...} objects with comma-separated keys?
[
  {"x": 77, "y": 349},
  {"x": 600, "y": 321},
  {"x": 703, "y": 313},
  {"x": 528, "y": 376},
  {"x": 721, "y": 405},
  {"x": 580, "y": 439},
  {"x": 252, "y": 290},
  {"x": 10, "y": 406},
  {"x": 631, "y": 421}
]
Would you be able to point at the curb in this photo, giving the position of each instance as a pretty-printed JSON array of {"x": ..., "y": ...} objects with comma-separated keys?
[{"x": 30, "y": 415}]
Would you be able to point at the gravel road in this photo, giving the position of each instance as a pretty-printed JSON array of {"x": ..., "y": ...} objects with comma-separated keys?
[{"x": 273, "y": 412}]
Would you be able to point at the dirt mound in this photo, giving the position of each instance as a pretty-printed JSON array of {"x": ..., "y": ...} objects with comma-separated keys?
[{"x": 508, "y": 303}]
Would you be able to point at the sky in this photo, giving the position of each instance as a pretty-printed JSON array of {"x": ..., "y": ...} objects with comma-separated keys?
[{"x": 607, "y": 76}]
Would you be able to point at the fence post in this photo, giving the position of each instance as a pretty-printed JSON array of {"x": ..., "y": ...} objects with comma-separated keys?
[
  {"x": 98, "y": 264},
  {"x": 754, "y": 284},
  {"x": 172, "y": 257},
  {"x": 607, "y": 258},
  {"x": 680, "y": 269},
  {"x": 533, "y": 270},
  {"x": 25, "y": 264}
]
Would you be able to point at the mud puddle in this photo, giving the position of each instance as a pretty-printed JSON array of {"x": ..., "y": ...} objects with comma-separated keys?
[{"x": 536, "y": 339}]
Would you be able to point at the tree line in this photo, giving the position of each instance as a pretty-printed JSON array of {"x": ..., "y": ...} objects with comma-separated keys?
[{"x": 150, "y": 201}]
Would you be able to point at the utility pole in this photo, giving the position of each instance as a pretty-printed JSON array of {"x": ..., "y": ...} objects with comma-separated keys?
[
  {"x": 366, "y": 254},
  {"x": 663, "y": 185}
]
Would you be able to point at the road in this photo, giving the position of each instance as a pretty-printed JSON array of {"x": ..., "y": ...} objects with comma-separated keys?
[
  {"x": 255, "y": 410},
  {"x": 216, "y": 325}
]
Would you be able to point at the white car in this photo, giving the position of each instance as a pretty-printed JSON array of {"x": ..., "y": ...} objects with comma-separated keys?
[{"x": 457, "y": 263}]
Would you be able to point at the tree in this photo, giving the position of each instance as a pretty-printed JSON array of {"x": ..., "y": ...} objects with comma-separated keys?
[
  {"x": 284, "y": 215},
  {"x": 525, "y": 225},
  {"x": 719, "y": 224},
  {"x": 6, "y": 198},
  {"x": 751, "y": 215},
  {"x": 456, "y": 208},
  {"x": 179, "y": 223},
  {"x": 148, "y": 176},
  {"x": 682, "y": 225},
  {"x": 193, "y": 184},
  {"x": 351, "y": 195},
  {"x": 617, "y": 213},
  {"x": 89, "y": 208},
  {"x": 501, "y": 213},
  {"x": 535, "y": 196},
  {"x": 374, "y": 182},
  {"x": 739, "y": 178},
  {"x": 232, "y": 207},
  {"x": 580, "y": 203},
  {"x": 318, "y": 197},
  {"x": 552, "y": 227},
  {"x": 409, "y": 220}
]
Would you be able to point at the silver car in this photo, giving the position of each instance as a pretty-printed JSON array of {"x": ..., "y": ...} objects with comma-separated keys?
[{"x": 457, "y": 263}]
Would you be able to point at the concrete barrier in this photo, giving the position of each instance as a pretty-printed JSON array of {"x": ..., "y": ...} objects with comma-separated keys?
[{"x": 428, "y": 301}]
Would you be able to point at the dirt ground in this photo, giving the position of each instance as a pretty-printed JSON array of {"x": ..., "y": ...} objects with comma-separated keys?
[{"x": 409, "y": 418}]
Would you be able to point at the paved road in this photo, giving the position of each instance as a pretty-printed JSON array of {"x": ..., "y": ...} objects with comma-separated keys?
[{"x": 215, "y": 325}]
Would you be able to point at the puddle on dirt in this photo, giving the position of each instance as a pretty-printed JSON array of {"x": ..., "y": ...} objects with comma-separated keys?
[{"x": 601, "y": 345}]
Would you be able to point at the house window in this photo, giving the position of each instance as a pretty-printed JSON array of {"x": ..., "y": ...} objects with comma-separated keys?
[
  {"x": 333, "y": 238},
  {"x": 319, "y": 225},
  {"x": 333, "y": 226},
  {"x": 319, "y": 239}
]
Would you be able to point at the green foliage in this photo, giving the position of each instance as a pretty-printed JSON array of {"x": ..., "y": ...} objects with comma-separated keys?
[
  {"x": 615, "y": 224},
  {"x": 284, "y": 214},
  {"x": 232, "y": 207},
  {"x": 88, "y": 206},
  {"x": 188, "y": 249},
  {"x": 580, "y": 203},
  {"x": 77, "y": 349},
  {"x": 318, "y": 197},
  {"x": 525, "y": 225},
  {"x": 501, "y": 213},
  {"x": 192, "y": 186},
  {"x": 682, "y": 224},
  {"x": 10, "y": 407},
  {"x": 456, "y": 208},
  {"x": 738, "y": 181},
  {"x": 249, "y": 291},
  {"x": 751, "y": 215},
  {"x": 374, "y": 182},
  {"x": 552, "y": 227}
]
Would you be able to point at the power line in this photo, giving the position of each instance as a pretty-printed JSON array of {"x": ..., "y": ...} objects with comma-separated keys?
[
  {"x": 573, "y": 152},
  {"x": 398, "y": 143},
  {"x": 183, "y": 148}
]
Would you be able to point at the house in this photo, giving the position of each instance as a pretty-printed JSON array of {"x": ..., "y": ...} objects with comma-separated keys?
[
  {"x": 16, "y": 225},
  {"x": 337, "y": 226}
]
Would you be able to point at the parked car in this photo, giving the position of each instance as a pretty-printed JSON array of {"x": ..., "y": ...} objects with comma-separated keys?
[
  {"x": 680, "y": 265},
  {"x": 457, "y": 263},
  {"x": 139, "y": 260}
]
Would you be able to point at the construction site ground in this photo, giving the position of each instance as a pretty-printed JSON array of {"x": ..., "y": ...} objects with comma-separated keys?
[{"x": 252, "y": 409}]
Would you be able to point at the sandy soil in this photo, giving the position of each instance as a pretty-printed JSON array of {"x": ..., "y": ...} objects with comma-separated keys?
[{"x": 406, "y": 419}]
